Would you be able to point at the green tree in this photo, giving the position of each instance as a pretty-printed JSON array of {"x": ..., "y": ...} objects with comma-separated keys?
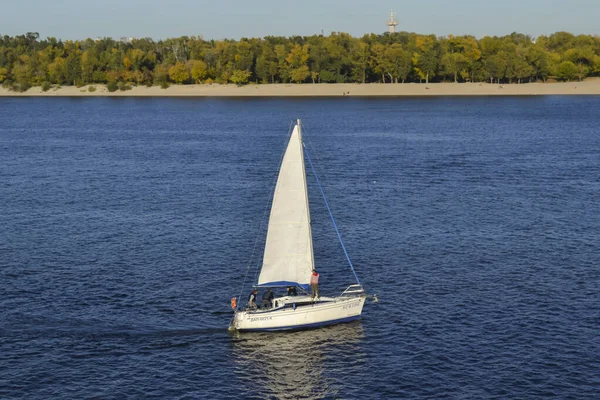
[
  {"x": 266, "y": 65},
  {"x": 539, "y": 59},
  {"x": 522, "y": 70},
  {"x": 360, "y": 61},
  {"x": 496, "y": 66},
  {"x": 453, "y": 64},
  {"x": 338, "y": 48},
  {"x": 72, "y": 67},
  {"x": 582, "y": 71},
  {"x": 244, "y": 57},
  {"x": 282, "y": 66},
  {"x": 379, "y": 60},
  {"x": 596, "y": 64},
  {"x": 567, "y": 71},
  {"x": 398, "y": 62}
]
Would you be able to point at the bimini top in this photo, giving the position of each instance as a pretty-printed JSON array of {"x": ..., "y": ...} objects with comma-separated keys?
[{"x": 288, "y": 259}]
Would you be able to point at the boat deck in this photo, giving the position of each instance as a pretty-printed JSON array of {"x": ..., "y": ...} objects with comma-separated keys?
[{"x": 290, "y": 302}]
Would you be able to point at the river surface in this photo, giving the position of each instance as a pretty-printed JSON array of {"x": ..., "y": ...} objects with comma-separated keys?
[{"x": 127, "y": 224}]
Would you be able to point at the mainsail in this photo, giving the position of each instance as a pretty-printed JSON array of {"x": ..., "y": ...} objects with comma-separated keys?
[{"x": 288, "y": 259}]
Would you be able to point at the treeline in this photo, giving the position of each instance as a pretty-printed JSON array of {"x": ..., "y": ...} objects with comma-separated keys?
[{"x": 27, "y": 61}]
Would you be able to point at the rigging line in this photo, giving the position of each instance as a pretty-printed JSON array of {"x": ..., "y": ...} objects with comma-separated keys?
[
  {"x": 263, "y": 219},
  {"x": 310, "y": 142},
  {"x": 314, "y": 168},
  {"x": 330, "y": 214}
]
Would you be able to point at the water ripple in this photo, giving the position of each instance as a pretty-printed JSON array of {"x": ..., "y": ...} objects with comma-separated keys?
[{"x": 128, "y": 224}]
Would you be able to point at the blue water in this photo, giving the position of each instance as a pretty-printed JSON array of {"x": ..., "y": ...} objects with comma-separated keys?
[{"x": 127, "y": 224}]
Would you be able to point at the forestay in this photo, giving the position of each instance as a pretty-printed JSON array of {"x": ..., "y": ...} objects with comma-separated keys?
[{"x": 288, "y": 258}]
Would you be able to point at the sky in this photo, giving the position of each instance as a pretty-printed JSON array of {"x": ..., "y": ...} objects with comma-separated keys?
[{"x": 234, "y": 19}]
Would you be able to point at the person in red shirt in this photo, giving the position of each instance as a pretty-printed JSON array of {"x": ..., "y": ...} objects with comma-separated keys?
[{"x": 314, "y": 283}]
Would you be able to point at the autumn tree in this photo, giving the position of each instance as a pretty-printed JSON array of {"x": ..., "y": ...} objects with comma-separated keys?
[
  {"x": 426, "y": 57},
  {"x": 240, "y": 77},
  {"x": 57, "y": 70},
  {"x": 22, "y": 72},
  {"x": 297, "y": 63},
  {"x": 27, "y": 59},
  {"x": 198, "y": 70},
  {"x": 161, "y": 74},
  {"x": 179, "y": 73},
  {"x": 89, "y": 64}
]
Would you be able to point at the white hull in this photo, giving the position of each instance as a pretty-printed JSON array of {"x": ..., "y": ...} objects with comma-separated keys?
[{"x": 326, "y": 312}]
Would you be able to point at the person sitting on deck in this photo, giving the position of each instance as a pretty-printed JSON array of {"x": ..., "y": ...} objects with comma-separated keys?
[
  {"x": 252, "y": 299},
  {"x": 291, "y": 291},
  {"x": 267, "y": 299}
]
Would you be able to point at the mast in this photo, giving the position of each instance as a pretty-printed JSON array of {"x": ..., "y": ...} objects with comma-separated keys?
[{"x": 299, "y": 124}]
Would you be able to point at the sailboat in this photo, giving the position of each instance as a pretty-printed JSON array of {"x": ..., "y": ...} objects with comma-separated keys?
[{"x": 288, "y": 260}]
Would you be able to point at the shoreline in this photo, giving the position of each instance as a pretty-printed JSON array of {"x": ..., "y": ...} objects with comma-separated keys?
[{"x": 588, "y": 87}]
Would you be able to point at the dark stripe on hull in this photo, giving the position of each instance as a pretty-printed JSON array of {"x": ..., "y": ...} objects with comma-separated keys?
[{"x": 306, "y": 326}]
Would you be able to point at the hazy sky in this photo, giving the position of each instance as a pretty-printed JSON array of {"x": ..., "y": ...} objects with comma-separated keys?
[{"x": 79, "y": 19}]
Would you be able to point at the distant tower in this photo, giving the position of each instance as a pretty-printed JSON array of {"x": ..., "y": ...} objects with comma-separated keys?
[{"x": 392, "y": 22}]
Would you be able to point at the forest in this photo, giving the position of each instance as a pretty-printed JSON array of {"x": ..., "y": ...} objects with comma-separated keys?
[{"x": 27, "y": 60}]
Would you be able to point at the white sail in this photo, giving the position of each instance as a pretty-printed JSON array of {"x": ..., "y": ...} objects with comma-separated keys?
[{"x": 288, "y": 257}]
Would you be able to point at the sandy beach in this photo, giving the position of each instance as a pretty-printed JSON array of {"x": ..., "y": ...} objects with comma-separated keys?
[{"x": 588, "y": 87}]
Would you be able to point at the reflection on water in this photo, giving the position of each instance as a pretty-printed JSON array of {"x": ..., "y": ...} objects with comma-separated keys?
[{"x": 291, "y": 365}]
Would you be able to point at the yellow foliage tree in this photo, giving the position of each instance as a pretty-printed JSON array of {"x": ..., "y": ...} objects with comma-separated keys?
[
  {"x": 240, "y": 77},
  {"x": 299, "y": 74},
  {"x": 134, "y": 76},
  {"x": 134, "y": 57},
  {"x": 127, "y": 63},
  {"x": 179, "y": 73},
  {"x": 57, "y": 70},
  {"x": 3, "y": 74},
  {"x": 297, "y": 61},
  {"x": 88, "y": 63},
  {"x": 198, "y": 70}
]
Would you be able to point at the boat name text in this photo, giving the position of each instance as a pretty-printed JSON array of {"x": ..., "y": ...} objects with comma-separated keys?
[
  {"x": 353, "y": 305},
  {"x": 260, "y": 319}
]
